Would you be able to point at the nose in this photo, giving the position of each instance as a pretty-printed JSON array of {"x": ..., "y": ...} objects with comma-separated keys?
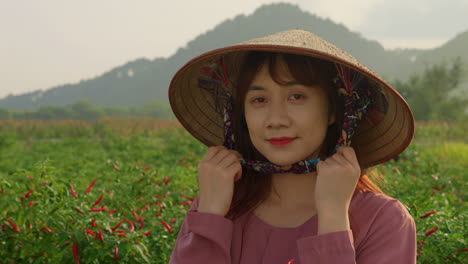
[{"x": 277, "y": 116}]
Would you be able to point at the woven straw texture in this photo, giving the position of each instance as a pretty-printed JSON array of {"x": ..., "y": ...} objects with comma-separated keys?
[{"x": 381, "y": 135}]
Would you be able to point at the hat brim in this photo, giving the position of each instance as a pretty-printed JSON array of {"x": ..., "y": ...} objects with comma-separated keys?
[{"x": 379, "y": 137}]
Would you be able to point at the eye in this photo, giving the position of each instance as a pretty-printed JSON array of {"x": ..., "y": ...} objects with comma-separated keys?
[
  {"x": 297, "y": 96},
  {"x": 258, "y": 100}
]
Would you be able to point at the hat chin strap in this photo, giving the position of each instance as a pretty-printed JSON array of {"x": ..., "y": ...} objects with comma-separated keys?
[{"x": 356, "y": 105}]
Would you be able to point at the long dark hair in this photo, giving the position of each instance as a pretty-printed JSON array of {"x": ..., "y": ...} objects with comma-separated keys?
[{"x": 254, "y": 188}]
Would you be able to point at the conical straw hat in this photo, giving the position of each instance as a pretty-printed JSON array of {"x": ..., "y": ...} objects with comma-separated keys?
[{"x": 381, "y": 135}]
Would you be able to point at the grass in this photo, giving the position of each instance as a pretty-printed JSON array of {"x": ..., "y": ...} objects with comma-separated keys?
[{"x": 146, "y": 171}]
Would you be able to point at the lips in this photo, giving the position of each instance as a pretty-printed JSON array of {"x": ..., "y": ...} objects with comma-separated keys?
[{"x": 281, "y": 141}]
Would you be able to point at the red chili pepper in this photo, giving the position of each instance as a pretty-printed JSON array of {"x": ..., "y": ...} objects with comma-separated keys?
[
  {"x": 116, "y": 254},
  {"x": 122, "y": 235},
  {"x": 166, "y": 180},
  {"x": 90, "y": 232},
  {"x": 4, "y": 227},
  {"x": 159, "y": 196},
  {"x": 90, "y": 186},
  {"x": 118, "y": 225},
  {"x": 93, "y": 223},
  {"x": 15, "y": 228},
  {"x": 72, "y": 190},
  {"x": 97, "y": 209},
  {"x": 432, "y": 230},
  {"x": 120, "y": 231},
  {"x": 75, "y": 254},
  {"x": 100, "y": 235},
  {"x": 428, "y": 214},
  {"x": 189, "y": 198},
  {"x": 173, "y": 220},
  {"x": 28, "y": 193},
  {"x": 141, "y": 221},
  {"x": 189, "y": 203},
  {"x": 147, "y": 233},
  {"x": 79, "y": 210},
  {"x": 166, "y": 225},
  {"x": 98, "y": 200},
  {"x": 132, "y": 227},
  {"x": 145, "y": 207},
  {"x": 158, "y": 214},
  {"x": 31, "y": 203},
  {"x": 135, "y": 214},
  {"x": 47, "y": 229},
  {"x": 112, "y": 211},
  {"x": 186, "y": 197}
]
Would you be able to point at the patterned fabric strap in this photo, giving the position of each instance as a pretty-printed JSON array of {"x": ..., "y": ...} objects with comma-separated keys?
[{"x": 357, "y": 99}]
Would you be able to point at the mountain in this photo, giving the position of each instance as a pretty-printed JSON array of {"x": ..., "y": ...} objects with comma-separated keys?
[
  {"x": 142, "y": 80},
  {"x": 414, "y": 60}
]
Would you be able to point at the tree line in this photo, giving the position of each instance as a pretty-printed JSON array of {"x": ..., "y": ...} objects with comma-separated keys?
[
  {"x": 432, "y": 94},
  {"x": 429, "y": 94},
  {"x": 83, "y": 109}
]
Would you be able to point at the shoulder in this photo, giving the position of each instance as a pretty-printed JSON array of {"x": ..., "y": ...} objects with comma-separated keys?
[
  {"x": 373, "y": 204},
  {"x": 374, "y": 214}
]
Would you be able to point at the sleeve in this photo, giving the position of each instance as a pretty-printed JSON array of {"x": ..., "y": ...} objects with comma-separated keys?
[
  {"x": 390, "y": 239},
  {"x": 203, "y": 238},
  {"x": 329, "y": 248}
]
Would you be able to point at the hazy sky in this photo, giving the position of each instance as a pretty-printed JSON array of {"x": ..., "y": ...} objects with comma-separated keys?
[{"x": 52, "y": 42}]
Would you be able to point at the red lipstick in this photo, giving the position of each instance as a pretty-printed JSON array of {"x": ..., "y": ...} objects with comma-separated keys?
[{"x": 281, "y": 141}]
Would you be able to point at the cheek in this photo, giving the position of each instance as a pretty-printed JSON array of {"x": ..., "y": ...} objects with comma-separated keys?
[{"x": 253, "y": 122}]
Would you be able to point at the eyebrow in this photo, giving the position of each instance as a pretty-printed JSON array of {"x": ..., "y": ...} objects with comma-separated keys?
[{"x": 260, "y": 88}]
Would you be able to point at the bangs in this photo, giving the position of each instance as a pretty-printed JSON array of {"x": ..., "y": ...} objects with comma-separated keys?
[
  {"x": 284, "y": 67},
  {"x": 304, "y": 70}
]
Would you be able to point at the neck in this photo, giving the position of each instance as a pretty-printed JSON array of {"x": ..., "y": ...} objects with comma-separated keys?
[{"x": 293, "y": 191}]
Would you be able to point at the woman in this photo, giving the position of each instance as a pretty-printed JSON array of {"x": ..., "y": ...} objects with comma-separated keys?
[{"x": 287, "y": 185}]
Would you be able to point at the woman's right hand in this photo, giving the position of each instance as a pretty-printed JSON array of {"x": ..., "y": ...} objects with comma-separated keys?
[{"x": 217, "y": 172}]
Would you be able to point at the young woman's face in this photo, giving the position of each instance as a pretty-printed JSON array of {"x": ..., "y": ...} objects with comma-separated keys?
[{"x": 289, "y": 110}]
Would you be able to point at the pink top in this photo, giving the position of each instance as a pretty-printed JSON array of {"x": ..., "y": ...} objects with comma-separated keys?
[{"x": 383, "y": 231}]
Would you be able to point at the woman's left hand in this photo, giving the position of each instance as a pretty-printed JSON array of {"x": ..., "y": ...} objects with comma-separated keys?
[{"x": 337, "y": 178}]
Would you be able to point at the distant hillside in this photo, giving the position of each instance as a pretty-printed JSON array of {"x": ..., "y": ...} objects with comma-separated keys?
[
  {"x": 414, "y": 60},
  {"x": 142, "y": 80}
]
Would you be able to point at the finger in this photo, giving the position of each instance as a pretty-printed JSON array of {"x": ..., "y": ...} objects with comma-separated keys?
[
  {"x": 222, "y": 154},
  {"x": 238, "y": 155},
  {"x": 211, "y": 152},
  {"x": 349, "y": 154},
  {"x": 228, "y": 160},
  {"x": 330, "y": 160},
  {"x": 320, "y": 164},
  {"x": 340, "y": 159},
  {"x": 236, "y": 170}
]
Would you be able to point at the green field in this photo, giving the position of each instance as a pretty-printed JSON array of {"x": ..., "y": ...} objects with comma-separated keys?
[{"x": 144, "y": 175}]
